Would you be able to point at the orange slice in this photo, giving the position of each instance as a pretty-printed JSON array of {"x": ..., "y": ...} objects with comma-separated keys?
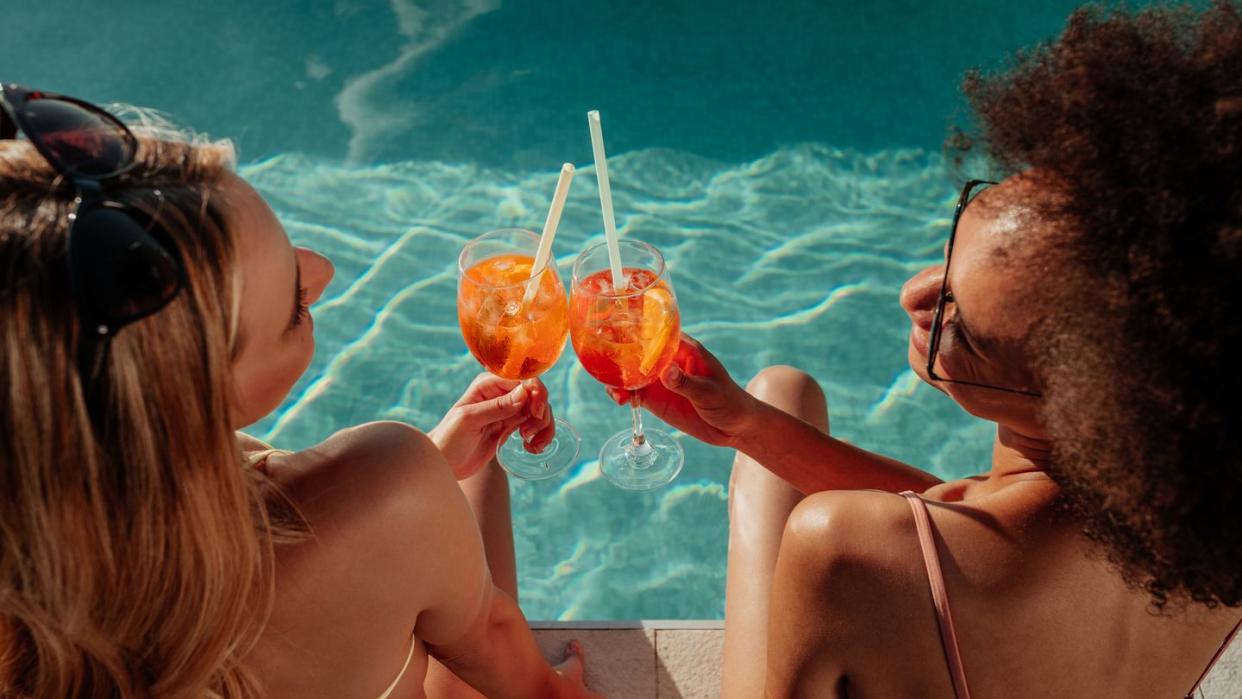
[
  {"x": 518, "y": 273},
  {"x": 659, "y": 320},
  {"x": 514, "y": 355}
]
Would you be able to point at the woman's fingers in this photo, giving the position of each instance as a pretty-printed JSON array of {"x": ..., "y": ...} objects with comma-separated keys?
[
  {"x": 497, "y": 409},
  {"x": 695, "y": 359},
  {"x": 619, "y": 395},
  {"x": 538, "y": 402},
  {"x": 691, "y": 387},
  {"x": 501, "y": 430},
  {"x": 538, "y": 433},
  {"x": 541, "y": 438},
  {"x": 487, "y": 385}
]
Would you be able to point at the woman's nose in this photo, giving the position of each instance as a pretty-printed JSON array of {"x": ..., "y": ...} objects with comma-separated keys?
[
  {"x": 920, "y": 293},
  {"x": 317, "y": 271}
]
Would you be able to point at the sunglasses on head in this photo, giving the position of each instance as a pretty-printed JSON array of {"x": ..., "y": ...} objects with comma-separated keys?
[{"x": 122, "y": 267}]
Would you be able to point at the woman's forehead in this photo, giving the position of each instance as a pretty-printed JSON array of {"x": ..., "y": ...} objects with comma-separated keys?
[
  {"x": 991, "y": 268},
  {"x": 998, "y": 218}
]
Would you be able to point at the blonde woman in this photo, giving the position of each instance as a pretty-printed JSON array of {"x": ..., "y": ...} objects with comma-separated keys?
[{"x": 150, "y": 305}]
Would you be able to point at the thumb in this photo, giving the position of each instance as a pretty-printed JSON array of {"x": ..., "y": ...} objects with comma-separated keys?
[
  {"x": 692, "y": 388},
  {"x": 497, "y": 409}
]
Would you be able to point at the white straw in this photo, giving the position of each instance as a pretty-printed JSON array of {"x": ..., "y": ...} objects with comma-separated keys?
[
  {"x": 605, "y": 199},
  {"x": 549, "y": 230}
]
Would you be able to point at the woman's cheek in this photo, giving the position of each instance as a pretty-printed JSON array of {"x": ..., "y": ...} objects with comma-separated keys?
[{"x": 261, "y": 391}]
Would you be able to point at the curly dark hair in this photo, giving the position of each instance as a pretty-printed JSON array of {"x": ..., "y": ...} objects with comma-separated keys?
[{"x": 1132, "y": 121}]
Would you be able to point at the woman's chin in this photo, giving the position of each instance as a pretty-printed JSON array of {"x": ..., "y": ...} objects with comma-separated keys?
[
  {"x": 918, "y": 364},
  {"x": 917, "y": 351}
]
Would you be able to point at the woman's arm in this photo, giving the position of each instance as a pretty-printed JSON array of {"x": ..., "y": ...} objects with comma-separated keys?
[
  {"x": 697, "y": 395},
  {"x": 812, "y": 461},
  {"x": 396, "y": 555},
  {"x": 468, "y": 624},
  {"x": 497, "y": 654},
  {"x": 838, "y": 584}
]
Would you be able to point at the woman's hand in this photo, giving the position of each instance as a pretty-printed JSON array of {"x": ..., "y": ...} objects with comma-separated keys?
[
  {"x": 696, "y": 395},
  {"x": 485, "y": 415}
]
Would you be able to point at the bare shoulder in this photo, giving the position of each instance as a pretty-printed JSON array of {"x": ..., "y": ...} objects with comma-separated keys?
[
  {"x": 852, "y": 555},
  {"x": 849, "y": 533},
  {"x": 864, "y": 543},
  {"x": 373, "y": 494},
  {"x": 367, "y": 464},
  {"x": 385, "y": 517},
  {"x": 851, "y": 594},
  {"x": 847, "y": 578},
  {"x": 249, "y": 443}
]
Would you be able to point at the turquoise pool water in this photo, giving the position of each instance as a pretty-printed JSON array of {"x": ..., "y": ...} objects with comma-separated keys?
[{"x": 783, "y": 155}]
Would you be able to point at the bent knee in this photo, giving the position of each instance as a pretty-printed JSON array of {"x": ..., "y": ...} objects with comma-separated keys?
[{"x": 792, "y": 390}]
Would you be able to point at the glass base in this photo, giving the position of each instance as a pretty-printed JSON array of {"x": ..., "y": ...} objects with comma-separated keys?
[
  {"x": 554, "y": 459},
  {"x": 653, "y": 464}
]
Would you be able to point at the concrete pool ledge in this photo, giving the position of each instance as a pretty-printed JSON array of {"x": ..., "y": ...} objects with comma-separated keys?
[
  {"x": 642, "y": 659},
  {"x": 681, "y": 659}
]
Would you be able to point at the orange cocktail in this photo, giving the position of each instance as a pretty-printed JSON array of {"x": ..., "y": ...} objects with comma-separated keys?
[
  {"x": 625, "y": 332},
  {"x": 516, "y": 326},
  {"x": 625, "y": 341},
  {"x": 512, "y": 339}
]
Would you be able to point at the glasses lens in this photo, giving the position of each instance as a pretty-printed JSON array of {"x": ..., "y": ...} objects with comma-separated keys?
[
  {"x": 124, "y": 272},
  {"x": 81, "y": 141},
  {"x": 7, "y": 128}
]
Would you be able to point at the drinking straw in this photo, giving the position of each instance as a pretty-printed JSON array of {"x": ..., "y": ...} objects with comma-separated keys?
[
  {"x": 605, "y": 199},
  {"x": 549, "y": 230}
]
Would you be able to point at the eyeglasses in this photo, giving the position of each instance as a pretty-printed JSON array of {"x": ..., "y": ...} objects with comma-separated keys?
[
  {"x": 122, "y": 267},
  {"x": 937, "y": 326}
]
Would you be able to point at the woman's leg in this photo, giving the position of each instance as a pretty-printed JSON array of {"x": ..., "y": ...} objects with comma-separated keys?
[
  {"x": 488, "y": 494},
  {"x": 759, "y": 504}
]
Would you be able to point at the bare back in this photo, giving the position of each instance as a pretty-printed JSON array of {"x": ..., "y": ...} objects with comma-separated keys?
[
  {"x": 395, "y": 556},
  {"x": 1036, "y": 612}
]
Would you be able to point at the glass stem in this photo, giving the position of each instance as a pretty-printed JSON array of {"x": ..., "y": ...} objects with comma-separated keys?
[{"x": 639, "y": 438}]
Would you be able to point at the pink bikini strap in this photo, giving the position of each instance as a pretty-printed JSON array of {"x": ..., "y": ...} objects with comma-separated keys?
[
  {"x": 940, "y": 595},
  {"x": 1219, "y": 652}
]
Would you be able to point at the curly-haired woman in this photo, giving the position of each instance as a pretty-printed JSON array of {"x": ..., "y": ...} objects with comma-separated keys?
[
  {"x": 1089, "y": 305},
  {"x": 151, "y": 304}
]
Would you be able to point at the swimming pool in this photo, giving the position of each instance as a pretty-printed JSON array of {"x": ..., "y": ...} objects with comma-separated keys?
[{"x": 784, "y": 157}]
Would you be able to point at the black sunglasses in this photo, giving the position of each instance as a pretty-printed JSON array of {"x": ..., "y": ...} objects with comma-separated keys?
[
  {"x": 937, "y": 325},
  {"x": 121, "y": 266}
]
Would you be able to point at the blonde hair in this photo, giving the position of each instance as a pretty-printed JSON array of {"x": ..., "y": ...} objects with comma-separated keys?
[{"x": 135, "y": 550}]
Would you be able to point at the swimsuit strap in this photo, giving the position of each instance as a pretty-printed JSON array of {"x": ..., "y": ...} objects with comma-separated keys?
[
  {"x": 1219, "y": 652},
  {"x": 393, "y": 686},
  {"x": 258, "y": 459},
  {"x": 940, "y": 595}
]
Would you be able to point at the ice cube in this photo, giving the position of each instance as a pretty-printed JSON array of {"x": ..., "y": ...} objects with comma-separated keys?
[{"x": 491, "y": 309}]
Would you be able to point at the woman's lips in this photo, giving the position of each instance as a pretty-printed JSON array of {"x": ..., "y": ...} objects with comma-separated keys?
[
  {"x": 919, "y": 337},
  {"x": 922, "y": 318}
]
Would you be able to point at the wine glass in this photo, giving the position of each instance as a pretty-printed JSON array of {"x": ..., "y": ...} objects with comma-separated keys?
[
  {"x": 513, "y": 334},
  {"x": 625, "y": 337}
]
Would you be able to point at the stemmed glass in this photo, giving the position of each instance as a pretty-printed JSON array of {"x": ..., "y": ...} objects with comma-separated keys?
[
  {"x": 625, "y": 338},
  {"x": 514, "y": 337}
]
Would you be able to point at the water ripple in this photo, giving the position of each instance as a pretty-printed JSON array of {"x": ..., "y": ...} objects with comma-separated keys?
[{"x": 795, "y": 258}]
